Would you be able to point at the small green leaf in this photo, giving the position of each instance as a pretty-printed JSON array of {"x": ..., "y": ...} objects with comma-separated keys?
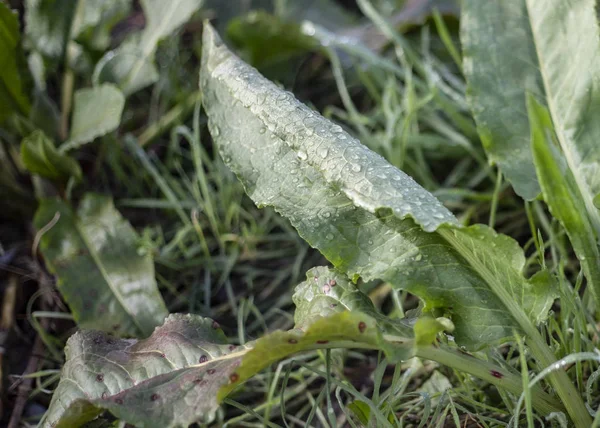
[
  {"x": 41, "y": 157},
  {"x": 12, "y": 98},
  {"x": 97, "y": 111},
  {"x": 326, "y": 292},
  {"x": 361, "y": 410},
  {"x": 131, "y": 65},
  {"x": 597, "y": 201},
  {"x": 108, "y": 285},
  {"x": 562, "y": 193}
]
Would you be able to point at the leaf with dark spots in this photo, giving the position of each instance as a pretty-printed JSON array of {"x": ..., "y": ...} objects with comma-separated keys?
[{"x": 181, "y": 372}]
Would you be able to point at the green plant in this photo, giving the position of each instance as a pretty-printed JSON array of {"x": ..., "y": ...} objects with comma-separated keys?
[
  {"x": 371, "y": 221},
  {"x": 480, "y": 303}
]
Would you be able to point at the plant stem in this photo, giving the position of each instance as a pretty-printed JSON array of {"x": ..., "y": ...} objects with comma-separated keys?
[
  {"x": 174, "y": 115},
  {"x": 66, "y": 99},
  {"x": 543, "y": 402},
  {"x": 540, "y": 350}
]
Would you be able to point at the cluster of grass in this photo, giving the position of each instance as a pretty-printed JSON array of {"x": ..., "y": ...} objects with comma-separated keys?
[{"x": 217, "y": 255}]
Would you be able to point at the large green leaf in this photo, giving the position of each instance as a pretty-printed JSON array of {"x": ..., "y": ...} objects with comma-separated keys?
[
  {"x": 96, "y": 112},
  {"x": 499, "y": 62},
  {"x": 131, "y": 65},
  {"x": 41, "y": 157},
  {"x": 108, "y": 284},
  {"x": 12, "y": 98},
  {"x": 367, "y": 217},
  {"x": 179, "y": 374},
  {"x": 549, "y": 48},
  {"x": 562, "y": 193}
]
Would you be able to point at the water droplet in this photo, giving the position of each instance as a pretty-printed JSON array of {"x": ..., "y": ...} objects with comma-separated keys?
[
  {"x": 216, "y": 131},
  {"x": 302, "y": 155},
  {"x": 356, "y": 168},
  {"x": 262, "y": 130},
  {"x": 323, "y": 152},
  {"x": 419, "y": 257},
  {"x": 329, "y": 236}
]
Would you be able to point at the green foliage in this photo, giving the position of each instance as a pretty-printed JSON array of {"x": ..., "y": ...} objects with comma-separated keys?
[
  {"x": 525, "y": 59},
  {"x": 97, "y": 111},
  {"x": 93, "y": 21},
  {"x": 12, "y": 97},
  {"x": 131, "y": 66},
  {"x": 499, "y": 61},
  {"x": 409, "y": 278},
  {"x": 172, "y": 378},
  {"x": 267, "y": 40},
  {"x": 48, "y": 25},
  {"x": 103, "y": 274},
  {"x": 367, "y": 217},
  {"x": 41, "y": 157},
  {"x": 562, "y": 193}
]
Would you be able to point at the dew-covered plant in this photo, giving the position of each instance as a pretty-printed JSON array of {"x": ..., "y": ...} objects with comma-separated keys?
[
  {"x": 476, "y": 289},
  {"x": 371, "y": 221}
]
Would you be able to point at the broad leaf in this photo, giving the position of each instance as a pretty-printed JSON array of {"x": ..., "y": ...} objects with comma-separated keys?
[
  {"x": 108, "y": 284},
  {"x": 94, "y": 20},
  {"x": 131, "y": 66},
  {"x": 96, "y": 112},
  {"x": 179, "y": 374},
  {"x": 169, "y": 379},
  {"x": 41, "y": 157},
  {"x": 367, "y": 217},
  {"x": 12, "y": 98},
  {"x": 562, "y": 193},
  {"x": 499, "y": 63},
  {"x": 48, "y": 25},
  {"x": 549, "y": 48}
]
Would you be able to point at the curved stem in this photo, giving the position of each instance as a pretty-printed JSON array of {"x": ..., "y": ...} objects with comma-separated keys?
[{"x": 543, "y": 402}]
